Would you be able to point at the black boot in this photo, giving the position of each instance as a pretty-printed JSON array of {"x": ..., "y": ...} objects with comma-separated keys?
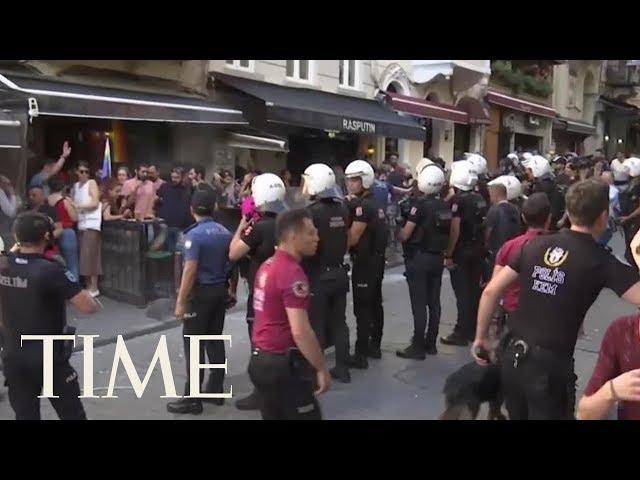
[
  {"x": 340, "y": 374},
  {"x": 358, "y": 361},
  {"x": 430, "y": 346},
  {"x": 455, "y": 339},
  {"x": 250, "y": 402},
  {"x": 215, "y": 401},
  {"x": 185, "y": 405},
  {"x": 415, "y": 351}
]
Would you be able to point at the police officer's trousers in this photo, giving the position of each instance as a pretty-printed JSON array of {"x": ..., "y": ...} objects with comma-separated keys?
[
  {"x": 208, "y": 303},
  {"x": 539, "y": 386},
  {"x": 424, "y": 277},
  {"x": 286, "y": 389},
  {"x": 23, "y": 372},
  {"x": 329, "y": 288},
  {"x": 465, "y": 280},
  {"x": 366, "y": 280}
]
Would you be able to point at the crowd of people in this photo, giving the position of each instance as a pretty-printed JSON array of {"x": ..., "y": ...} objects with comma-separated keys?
[{"x": 526, "y": 249}]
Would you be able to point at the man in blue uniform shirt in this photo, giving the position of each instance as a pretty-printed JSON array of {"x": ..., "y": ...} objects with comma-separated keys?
[{"x": 202, "y": 297}]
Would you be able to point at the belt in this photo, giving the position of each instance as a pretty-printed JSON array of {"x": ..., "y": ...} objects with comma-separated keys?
[
  {"x": 329, "y": 268},
  {"x": 257, "y": 351},
  {"x": 523, "y": 349}
]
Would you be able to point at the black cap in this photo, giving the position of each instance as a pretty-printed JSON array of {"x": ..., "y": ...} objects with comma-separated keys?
[{"x": 203, "y": 202}]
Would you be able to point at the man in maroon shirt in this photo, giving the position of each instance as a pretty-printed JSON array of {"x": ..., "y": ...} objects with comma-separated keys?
[
  {"x": 285, "y": 347},
  {"x": 537, "y": 213},
  {"x": 616, "y": 376}
]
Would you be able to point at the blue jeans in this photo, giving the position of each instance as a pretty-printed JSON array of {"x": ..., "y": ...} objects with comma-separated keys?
[
  {"x": 68, "y": 242},
  {"x": 173, "y": 235}
]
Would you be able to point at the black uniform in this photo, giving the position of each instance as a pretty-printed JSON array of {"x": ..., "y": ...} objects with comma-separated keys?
[
  {"x": 482, "y": 187},
  {"x": 556, "y": 197},
  {"x": 368, "y": 258},
  {"x": 34, "y": 291},
  {"x": 504, "y": 221},
  {"x": 468, "y": 257},
  {"x": 561, "y": 275},
  {"x": 328, "y": 277},
  {"x": 261, "y": 239},
  {"x": 424, "y": 264}
]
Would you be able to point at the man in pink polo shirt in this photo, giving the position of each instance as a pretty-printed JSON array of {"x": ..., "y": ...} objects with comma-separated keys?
[{"x": 140, "y": 193}]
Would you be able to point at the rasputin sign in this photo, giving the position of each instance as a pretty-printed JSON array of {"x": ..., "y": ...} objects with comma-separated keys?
[{"x": 359, "y": 126}]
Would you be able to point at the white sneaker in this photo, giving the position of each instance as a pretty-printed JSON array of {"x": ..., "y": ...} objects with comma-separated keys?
[{"x": 94, "y": 293}]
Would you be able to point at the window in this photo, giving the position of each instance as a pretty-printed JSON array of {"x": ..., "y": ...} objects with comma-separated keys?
[
  {"x": 349, "y": 75},
  {"x": 240, "y": 64},
  {"x": 299, "y": 70}
]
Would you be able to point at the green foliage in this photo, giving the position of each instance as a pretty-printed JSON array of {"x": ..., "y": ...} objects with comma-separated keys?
[{"x": 518, "y": 81}]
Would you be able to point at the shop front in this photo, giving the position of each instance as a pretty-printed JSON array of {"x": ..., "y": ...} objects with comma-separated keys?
[
  {"x": 319, "y": 126},
  {"x": 516, "y": 125},
  {"x": 163, "y": 126}
]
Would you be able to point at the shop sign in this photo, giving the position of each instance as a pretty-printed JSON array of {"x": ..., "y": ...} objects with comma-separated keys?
[{"x": 359, "y": 126}]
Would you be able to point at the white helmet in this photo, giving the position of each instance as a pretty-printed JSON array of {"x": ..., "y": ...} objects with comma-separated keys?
[
  {"x": 538, "y": 165},
  {"x": 320, "y": 180},
  {"x": 362, "y": 169},
  {"x": 268, "y": 193},
  {"x": 430, "y": 179},
  {"x": 1, "y": 245},
  {"x": 620, "y": 170},
  {"x": 421, "y": 164},
  {"x": 463, "y": 175},
  {"x": 511, "y": 183},
  {"x": 526, "y": 156},
  {"x": 632, "y": 165},
  {"x": 479, "y": 161}
]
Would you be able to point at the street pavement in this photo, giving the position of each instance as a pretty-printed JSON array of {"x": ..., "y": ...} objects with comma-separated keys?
[{"x": 392, "y": 388}]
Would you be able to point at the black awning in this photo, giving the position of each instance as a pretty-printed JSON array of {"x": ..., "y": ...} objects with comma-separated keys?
[
  {"x": 10, "y": 131},
  {"x": 326, "y": 111},
  {"x": 57, "y": 98},
  {"x": 573, "y": 126}
]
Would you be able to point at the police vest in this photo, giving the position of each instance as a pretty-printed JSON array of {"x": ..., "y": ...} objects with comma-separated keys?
[
  {"x": 331, "y": 218},
  {"x": 432, "y": 235},
  {"x": 474, "y": 214}
]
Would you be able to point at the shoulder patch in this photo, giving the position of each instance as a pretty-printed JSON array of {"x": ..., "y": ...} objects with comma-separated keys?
[
  {"x": 300, "y": 289},
  {"x": 187, "y": 244},
  {"x": 70, "y": 276},
  {"x": 413, "y": 211},
  {"x": 358, "y": 211},
  {"x": 454, "y": 207}
]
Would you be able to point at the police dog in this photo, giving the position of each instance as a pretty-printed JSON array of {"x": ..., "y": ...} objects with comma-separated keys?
[{"x": 470, "y": 386}]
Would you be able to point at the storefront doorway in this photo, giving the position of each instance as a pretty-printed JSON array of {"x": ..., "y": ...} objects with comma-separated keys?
[
  {"x": 312, "y": 147},
  {"x": 527, "y": 142}
]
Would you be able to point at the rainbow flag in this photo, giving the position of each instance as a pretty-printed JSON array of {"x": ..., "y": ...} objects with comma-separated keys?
[{"x": 106, "y": 162}]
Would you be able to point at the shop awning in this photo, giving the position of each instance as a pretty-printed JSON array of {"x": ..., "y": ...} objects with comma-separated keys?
[
  {"x": 619, "y": 105},
  {"x": 477, "y": 111},
  {"x": 10, "y": 132},
  {"x": 426, "y": 109},
  {"x": 572, "y": 126},
  {"x": 515, "y": 103},
  {"x": 256, "y": 140},
  {"x": 63, "y": 99},
  {"x": 316, "y": 109}
]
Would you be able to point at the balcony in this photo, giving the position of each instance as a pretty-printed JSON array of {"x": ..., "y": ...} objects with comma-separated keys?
[{"x": 518, "y": 77}]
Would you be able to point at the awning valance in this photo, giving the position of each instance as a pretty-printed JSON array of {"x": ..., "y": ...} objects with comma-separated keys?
[
  {"x": 56, "y": 98},
  {"x": 515, "y": 103},
  {"x": 477, "y": 111},
  {"x": 10, "y": 132},
  {"x": 315, "y": 109},
  {"x": 256, "y": 140},
  {"x": 423, "y": 108}
]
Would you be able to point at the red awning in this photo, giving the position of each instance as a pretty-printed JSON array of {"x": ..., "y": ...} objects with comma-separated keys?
[
  {"x": 423, "y": 108},
  {"x": 478, "y": 111},
  {"x": 515, "y": 103}
]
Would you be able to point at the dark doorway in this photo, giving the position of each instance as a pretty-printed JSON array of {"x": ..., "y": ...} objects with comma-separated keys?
[
  {"x": 528, "y": 142},
  {"x": 319, "y": 148}
]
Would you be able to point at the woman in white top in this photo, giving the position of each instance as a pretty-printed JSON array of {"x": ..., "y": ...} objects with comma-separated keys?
[{"x": 86, "y": 197}]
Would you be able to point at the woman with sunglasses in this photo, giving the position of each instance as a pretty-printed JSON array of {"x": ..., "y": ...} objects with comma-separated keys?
[{"x": 86, "y": 197}]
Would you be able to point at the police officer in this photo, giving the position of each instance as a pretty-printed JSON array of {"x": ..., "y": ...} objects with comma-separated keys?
[
  {"x": 560, "y": 275},
  {"x": 202, "y": 297},
  {"x": 256, "y": 239},
  {"x": 466, "y": 251},
  {"x": 620, "y": 173},
  {"x": 326, "y": 270},
  {"x": 367, "y": 243},
  {"x": 286, "y": 359},
  {"x": 630, "y": 206},
  {"x": 541, "y": 180},
  {"x": 425, "y": 236},
  {"x": 33, "y": 293},
  {"x": 480, "y": 163}
]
